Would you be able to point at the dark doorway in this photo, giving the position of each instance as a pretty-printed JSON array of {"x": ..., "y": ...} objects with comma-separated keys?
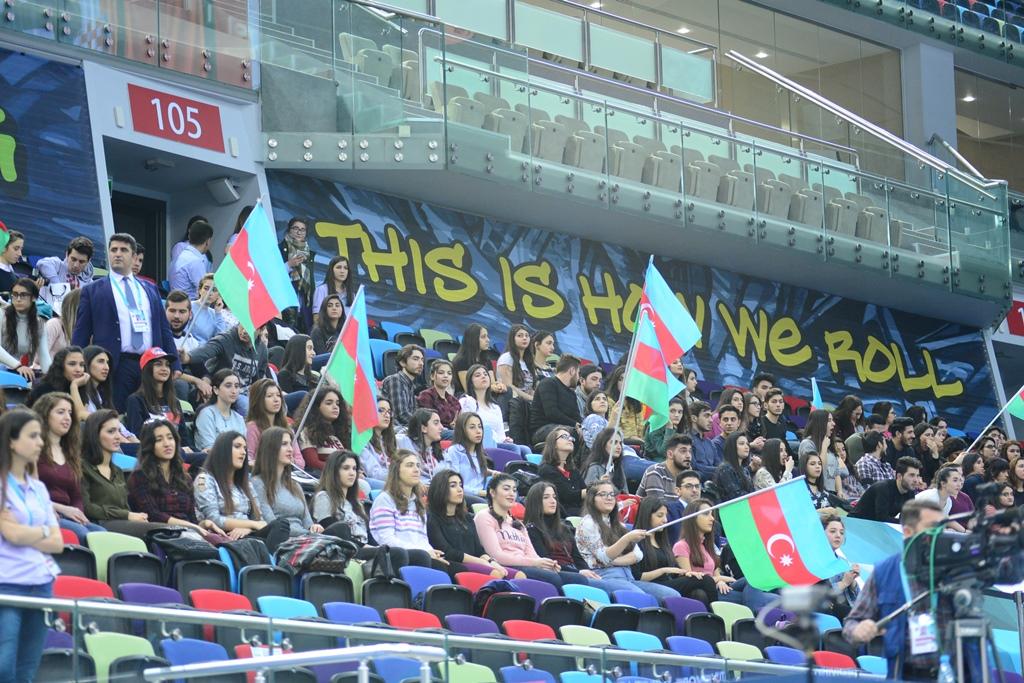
[{"x": 144, "y": 219}]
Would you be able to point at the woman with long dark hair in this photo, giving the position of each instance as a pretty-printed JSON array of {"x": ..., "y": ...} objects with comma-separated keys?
[
  {"x": 381, "y": 448},
  {"x": 218, "y": 415},
  {"x": 450, "y": 529},
  {"x": 542, "y": 347},
  {"x": 632, "y": 421},
  {"x": 224, "y": 494},
  {"x": 96, "y": 393},
  {"x": 339, "y": 279},
  {"x": 658, "y": 564},
  {"x": 926, "y": 448},
  {"x": 776, "y": 465},
  {"x": 58, "y": 329},
  {"x": 678, "y": 423},
  {"x": 159, "y": 485},
  {"x": 423, "y": 437},
  {"x": 607, "y": 547},
  {"x": 297, "y": 365},
  {"x": 60, "y": 462},
  {"x": 466, "y": 455},
  {"x": 266, "y": 410},
  {"x": 595, "y": 416},
  {"x": 556, "y": 467},
  {"x": 607, "y": 447},
  {"x": 104, "y": 485},
  {"x": 750, "y": 420},
  {"x": 732, "y": 477},
  {"x": 515, "y": 366},
  {"x": 813, "y": 471},
  {"x": 847, "y": 416},
  {"x": 505, "y": 539},
  {"x": 328, "y": 427},
  {"x": 475, "y": 344},
  {"x": 278, "y": 494},
  {"x": 398, "y": 517},
  {"x": 66, "y": 374},
  {"x": 696, "y": 553},
  {"x": 22, "y": 341},
  {"x": 29, "y": 538},
  {"x": 155, "y": 396},
  {"x": 329, "y": 320},
  {"x": 818, "y": 439}
]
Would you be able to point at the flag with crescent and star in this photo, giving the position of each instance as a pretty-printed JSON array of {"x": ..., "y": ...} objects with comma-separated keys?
[
  {"x": 253, "y": 279},
  {"x": 781, "y": 536}
]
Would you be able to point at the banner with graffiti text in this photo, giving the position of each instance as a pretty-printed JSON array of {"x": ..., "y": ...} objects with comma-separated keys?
[{"x": 430, "y": 267}]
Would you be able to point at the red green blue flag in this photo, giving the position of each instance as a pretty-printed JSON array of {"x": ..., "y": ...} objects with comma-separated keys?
[
  {"x": 675, "y": 328},
  {"x": 782, "y": 538},
  {"x": 252, "y": 279},
  {"x": 351, "y": 368},
  {"x": 1016, "y": 405},
  {"x": 5, "y": 236},
  {"x": 648, "y": 379}
]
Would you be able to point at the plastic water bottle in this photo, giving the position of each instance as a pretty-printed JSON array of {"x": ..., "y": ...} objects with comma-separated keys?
[{"x": 946, "y": 673}]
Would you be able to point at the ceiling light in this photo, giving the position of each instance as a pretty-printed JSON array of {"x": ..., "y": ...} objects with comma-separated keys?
[
  {"x": 761, "y": 54},
  {"x": 595, "y": 5},
  {"x": 968, "y": 98},
  {"x": 683, "y": 30}
]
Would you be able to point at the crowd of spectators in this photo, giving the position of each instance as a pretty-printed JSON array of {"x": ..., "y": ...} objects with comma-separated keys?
[{"x": 214, "y": 420}]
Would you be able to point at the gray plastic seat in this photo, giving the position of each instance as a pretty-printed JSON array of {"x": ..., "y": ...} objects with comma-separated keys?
[
  {"x": 828, "y": 192},
  {"x": 773, "y": 198},
  {"x": 862, "y": 201},
  {"x": 664, "y": 170},
  {"x": 737, "y": 189},
  {"x": 510, "y": 123},
  {"x": 873, "y": 224},
  {"x": 627, "y": 160},
  {"x": 490, "y": 102},
  {"x": 548, "y": 139},
  {"x": 761, "y": 175},
  {"x": 572, "y": 125},
  {"x": 586, "y": 151},
  {"x": 725, "y": 163},
  {"x": 375, "y": 63},
  {"x": 796, "y": 183},
  {"x": 408, "y": 83},
  {"x": 805, "y": 207},
  {"x": 532, "y": 114},
  {"x": 351, "y": 45},
  {"x": 466, "y": 111},
  {"x": 438, "y": 91},
  {"x": 841, "y": 216},
  {"x": 650, "y": 144},
  {"x": 399, "y": 54},
  {"x": 898, "y": 230},
  {"x": 613, "y": 135},
  {"x": 703, "y": 180}
]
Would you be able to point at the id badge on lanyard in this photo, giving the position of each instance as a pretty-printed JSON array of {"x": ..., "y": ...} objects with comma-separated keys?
[{"x": 923, "y": 634}]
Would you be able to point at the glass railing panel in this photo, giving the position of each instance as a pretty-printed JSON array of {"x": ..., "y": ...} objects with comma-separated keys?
[
  {"x": 488, "y": 17},
  {"x": 1016, "y": 222},
  {"x": 557, "y": 32},
  {"x": 121, "y": 28},
  {"x": 621, "y": 50},
  {"x": 420, "y": 6},
  {"x": 688, "y": 70},
  {"x": 209, "y": 40},
  {"x": 636, "y": 150},
  {"x": 40, "y": 19},
  {"x": 979, "y": 238},
  {"x": 919, "y": 235}
]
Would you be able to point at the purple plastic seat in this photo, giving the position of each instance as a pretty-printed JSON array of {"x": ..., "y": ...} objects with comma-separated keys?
[
  {"x": 775, "y": 615},
  {"x": 59, "y": 640},
  {"x": 148, "y": 594},
  {"x": 538, "y": 590},
  {"x": 682, "y": 608},
  {"x": 501, "y": 457},
  {"x": 467, "y": 625},
  {"x": 635, "y": 599}
]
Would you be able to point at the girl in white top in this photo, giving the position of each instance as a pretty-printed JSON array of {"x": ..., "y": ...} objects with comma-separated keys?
[
  {"x": 478, "y": 400},
  {"x": 22, "y": 340},
  {"x": 948, "y": 482},
  {"x": 378, "y": 452},
  {"x": 218, "y": 416},
  {"x": 339, "y": 279},
  {"x": 515, "y": 365}
]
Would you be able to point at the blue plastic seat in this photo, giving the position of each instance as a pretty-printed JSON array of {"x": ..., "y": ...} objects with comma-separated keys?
[
  {"x": 395, "y": 328},
  {"x": 225, "y": 557},
  {"x": 579, "y": 591},
  {"x": 378, "y": 347},
  {"x": 125, "y": 462},
  {"x": 351, "y": 613},
  {"x": 280, "y": 607},
  {"x": 581, "y": 677},
  {"x": 396, "y": 668},
  {"x": 517, "y": 674},
  {"x": 694, "y": 647},
  {"x": 422, "y": 578},
  {"x": 635, "y": 599},
  {"x": 876, "y": 665},
  {"x": 641, "y": 642},
  {"x": 533, "y": 458},
  {"x": 192, "y": 651},
  {"x": 826, "y": 622},
  {"x": 780, "y": 654}
]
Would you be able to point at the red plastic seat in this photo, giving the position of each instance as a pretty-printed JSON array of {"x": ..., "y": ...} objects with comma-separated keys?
[
  {"x": 213, "y": 600},
  {"x": 74, "y": 587},
  {"x": 520, "y": 629},
  {"x": 410, "y": 619},
  {"x": 472, "y": 580},
  {"x": 833, "y": 660},
  {"x": 70, "y": 537}
]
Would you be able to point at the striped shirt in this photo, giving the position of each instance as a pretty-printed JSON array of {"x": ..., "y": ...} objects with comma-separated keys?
[{"x": 402, "y": 529}]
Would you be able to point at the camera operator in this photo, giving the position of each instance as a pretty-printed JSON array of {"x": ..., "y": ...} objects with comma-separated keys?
[{"x": 911, "y": 639}]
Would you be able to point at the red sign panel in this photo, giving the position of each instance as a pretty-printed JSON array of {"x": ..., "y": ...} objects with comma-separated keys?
[
  {"x": 176, "y": 118},
  {"x": 1015, "y": 318}
]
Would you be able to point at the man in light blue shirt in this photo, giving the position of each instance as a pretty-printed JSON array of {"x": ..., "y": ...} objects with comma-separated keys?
[{"x": 192, "y": 264}]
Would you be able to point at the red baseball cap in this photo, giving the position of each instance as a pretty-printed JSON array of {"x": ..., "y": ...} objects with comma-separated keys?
[{"x": 151, "y": 355}]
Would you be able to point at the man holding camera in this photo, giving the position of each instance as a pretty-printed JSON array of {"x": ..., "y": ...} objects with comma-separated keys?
[{"x": 911, "y": 639}]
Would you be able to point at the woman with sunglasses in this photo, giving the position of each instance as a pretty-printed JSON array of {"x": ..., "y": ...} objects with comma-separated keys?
[{"x": 556, "y": 469}]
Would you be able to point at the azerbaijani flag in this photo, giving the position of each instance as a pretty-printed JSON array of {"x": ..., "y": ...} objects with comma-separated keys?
[
  {"x": 781, "y": 536},
  {"x": 816, "y": 402},
  {"x": 254, "y": 281},
  {"x": 351, "y": 368},
  {"x": 1016, "y": 405},
  {"x": 648, "y": 379},
  {"x": 676, "y": 329},
  {"x": 5, "y": 236}
]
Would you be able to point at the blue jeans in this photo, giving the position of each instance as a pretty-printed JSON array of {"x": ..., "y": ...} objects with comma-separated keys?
[
  {"x": 623, "y": 574},
  {"x": 79, "y": 530},
  {"x": 555, "y": 578},
  {"x": 22, "y": 634},
  {"x": 743, "y": 593}
]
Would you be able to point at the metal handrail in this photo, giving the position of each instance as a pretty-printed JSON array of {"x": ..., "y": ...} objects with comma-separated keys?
[
  {"x": 261, "y": 665},
  {"x": 265, "y": 623},
  {"x": 856, "y": 120},
  {"x": 956, "y": 154},
  {"x": 647, "y": 93}
]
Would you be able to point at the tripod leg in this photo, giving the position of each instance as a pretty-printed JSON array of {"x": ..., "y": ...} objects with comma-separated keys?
[{"x": 990, "y": 638}]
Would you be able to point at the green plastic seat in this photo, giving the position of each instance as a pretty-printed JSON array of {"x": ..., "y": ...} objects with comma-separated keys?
[
  {"x": 104, "y": 648},
  {"x": 466, "y": 673},
  {"x": 583, "y": 636},
  {"x": 731, "y": 649},
  {"x": 354, "y": 571},
  {"x": 103, "y": 544},
  {"x": 431, "y": 336},
  {"x": 731, "y": 613}
]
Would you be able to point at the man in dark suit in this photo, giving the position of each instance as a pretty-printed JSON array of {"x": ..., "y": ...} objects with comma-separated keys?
[{"x": 123, "y": 315}]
